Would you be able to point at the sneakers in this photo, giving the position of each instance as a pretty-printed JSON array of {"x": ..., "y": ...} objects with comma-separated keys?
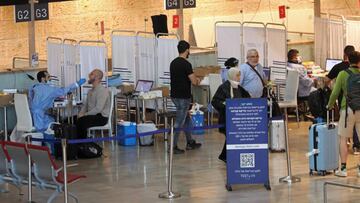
[
  {"x": 193, "y": 145},
  {"x": 356, "y": 151},
  {"x": 341, "y": 173},
  {"x": 178, "y": 150},
  {"x": 358, "y": 174}
]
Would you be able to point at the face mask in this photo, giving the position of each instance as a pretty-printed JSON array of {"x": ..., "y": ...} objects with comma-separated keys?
[
  {"x": 90, "y": 81},
  {"x": 299, "y": 59},
  {"x": 234, "y": 84}
]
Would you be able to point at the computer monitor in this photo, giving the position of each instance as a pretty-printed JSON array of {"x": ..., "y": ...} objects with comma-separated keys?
[
  {"x": 143, "y": 85},
  {"x": 330, "y": 63}
]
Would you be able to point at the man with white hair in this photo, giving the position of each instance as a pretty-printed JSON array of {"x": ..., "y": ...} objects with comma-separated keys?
[{"x": 252, "y": 75}]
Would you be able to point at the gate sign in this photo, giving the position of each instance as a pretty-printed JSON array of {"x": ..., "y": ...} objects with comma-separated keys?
[
  {"x": 247, "y": 141},
  {"x": 23, "y": 12},
  {"x": 189, "y": 4},
  {"x": 172, "y": 4},
  {"x": 175, "y": 4}
]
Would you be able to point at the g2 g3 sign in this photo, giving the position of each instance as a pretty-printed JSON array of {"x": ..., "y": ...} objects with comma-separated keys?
[{"x": 23, "y": 12}]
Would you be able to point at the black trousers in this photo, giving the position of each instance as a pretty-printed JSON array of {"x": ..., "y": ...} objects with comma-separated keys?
[{"x": 85, "y": 122}]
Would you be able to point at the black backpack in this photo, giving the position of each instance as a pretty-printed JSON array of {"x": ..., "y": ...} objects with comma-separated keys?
[
  {"x": 353, "y": 90},
  {"x": 89, "y": 150},
  {"x": 318, "y": 101}
]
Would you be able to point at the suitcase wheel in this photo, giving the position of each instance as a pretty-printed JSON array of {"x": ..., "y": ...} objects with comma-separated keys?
[{"x": 228, "y": 187}]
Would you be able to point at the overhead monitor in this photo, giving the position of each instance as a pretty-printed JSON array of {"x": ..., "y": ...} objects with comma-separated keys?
[{"x": 330, "y": 63}]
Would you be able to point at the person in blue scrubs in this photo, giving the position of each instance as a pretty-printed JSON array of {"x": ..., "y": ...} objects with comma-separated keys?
[{"x": 41, "y": 98}]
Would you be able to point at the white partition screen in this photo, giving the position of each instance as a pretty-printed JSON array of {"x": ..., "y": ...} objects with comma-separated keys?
[
  {"x": 353, "y": 33},
  {"x": 166, "y": 50},
  {"x": 254, "y": 38},
  {"x": 71, "y": 74},
  {"x": 92, "y": 57},
  {"x": 54, "y": 62},
  {"x": 123, "y": 57},
  {"x": 146, "y": 59},
  {"x": 228, "y": 42},
  {"x": 276, "y": 47}
]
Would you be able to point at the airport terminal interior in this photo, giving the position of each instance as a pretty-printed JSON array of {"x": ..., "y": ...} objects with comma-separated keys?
[{"x": 180, "y": 101}]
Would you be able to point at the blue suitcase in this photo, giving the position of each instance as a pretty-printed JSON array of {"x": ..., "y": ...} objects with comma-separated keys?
[{"x": 323, "y": 148}]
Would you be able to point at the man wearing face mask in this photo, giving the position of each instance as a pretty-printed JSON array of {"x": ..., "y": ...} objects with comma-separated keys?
[
  {"x": 96, "y": 109},
  {"x": 252, "y": 75},
  {"x": 41, "y": 98},
  {"x": 305, "y": 82},
  {"x": 181, "y": 78}
]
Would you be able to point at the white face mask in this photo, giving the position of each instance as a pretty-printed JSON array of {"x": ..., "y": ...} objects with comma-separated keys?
[
  {"x": 234, "y": 84},
  {"x": 299, "y": 59}
]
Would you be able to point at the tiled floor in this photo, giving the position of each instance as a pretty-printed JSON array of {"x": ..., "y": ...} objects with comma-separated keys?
[{"x": 138, "y": 174}]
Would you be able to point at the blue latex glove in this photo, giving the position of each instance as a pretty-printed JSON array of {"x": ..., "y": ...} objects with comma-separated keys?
[{"x": 81, "y": 81}]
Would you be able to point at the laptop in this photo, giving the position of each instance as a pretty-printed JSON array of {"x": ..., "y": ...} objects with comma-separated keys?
[
  {"x": 330, "y": 63},
  {"x": 143, "y": 86}
]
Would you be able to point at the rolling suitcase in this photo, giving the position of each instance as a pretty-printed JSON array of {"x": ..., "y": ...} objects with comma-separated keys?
[
  {"x": 323, "y": 147},
  {"x": 67, "y": 131},
  {"x": 277, "y": 135},
  {"x": 144, "y": 128}
]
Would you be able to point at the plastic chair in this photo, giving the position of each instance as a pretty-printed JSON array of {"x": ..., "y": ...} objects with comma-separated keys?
[
  {"x": 48, "y": 174},
  {"x": 24, "y": 121},
  {"x": 6, "y": 174},
  {"x": 19, "y": 163},
  {"x": 215, "y": 81},
  {"x": 291, "y": 89},
  {"x": 108, "y": 125}
]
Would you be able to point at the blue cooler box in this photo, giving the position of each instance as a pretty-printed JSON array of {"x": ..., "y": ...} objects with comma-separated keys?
[
  {"x": 197, "y": 119},
  {"x": 126, "y": 128}
]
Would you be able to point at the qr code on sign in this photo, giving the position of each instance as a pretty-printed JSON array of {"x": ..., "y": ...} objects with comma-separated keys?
[{"x": 247, "y": 160}]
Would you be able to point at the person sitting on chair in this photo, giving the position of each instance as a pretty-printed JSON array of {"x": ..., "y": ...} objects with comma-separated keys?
[
  {"x": 41, "y": 99},
  {"x": 230, "y": 63},
  {"x": 96, "y": 109},
  {"x": 228, "y": 90}
]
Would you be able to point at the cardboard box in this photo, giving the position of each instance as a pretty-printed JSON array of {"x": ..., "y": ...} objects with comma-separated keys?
[
  {"x": 165, "y": 91},
  {"x": 127, "y": 88},
  {"x": 204, "y": 71}
]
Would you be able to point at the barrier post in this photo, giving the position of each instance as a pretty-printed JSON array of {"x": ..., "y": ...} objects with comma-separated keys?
[
  {"x": 169, "y": 194},
  {"x": 29, "y": 171},
  {"x": 289, "y": 178},
  {"x": 63, "y": 144}
]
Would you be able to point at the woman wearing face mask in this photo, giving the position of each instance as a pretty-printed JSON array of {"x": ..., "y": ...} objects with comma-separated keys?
[{"x": 230, "y": 89}]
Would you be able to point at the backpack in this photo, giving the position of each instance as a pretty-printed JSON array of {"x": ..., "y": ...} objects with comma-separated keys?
[
  {"x": 353, "y": 91},
  {"x": 89, "y": 150}
]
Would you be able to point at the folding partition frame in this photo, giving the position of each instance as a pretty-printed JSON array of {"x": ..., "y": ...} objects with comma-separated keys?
[{"x": 55, "y": 59}]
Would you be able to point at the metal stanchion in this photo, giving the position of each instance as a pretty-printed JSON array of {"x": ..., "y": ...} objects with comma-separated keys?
[
  {"x": 63, "y": 144},
  {"x": 289, "y": 178},
  {"x": 29, "y": 171},
  {"x": 5, "y": 124},
  {"x": 169, "y": 194}
]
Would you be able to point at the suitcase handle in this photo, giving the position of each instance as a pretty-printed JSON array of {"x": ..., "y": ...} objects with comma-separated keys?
[{"x": 328, "y": 123}]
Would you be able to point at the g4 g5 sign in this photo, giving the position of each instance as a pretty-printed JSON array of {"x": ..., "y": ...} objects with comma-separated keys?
[{"x": 175, "y": 4}]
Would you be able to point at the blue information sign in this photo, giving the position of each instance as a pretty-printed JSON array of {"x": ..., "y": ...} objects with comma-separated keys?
[{"x": 247, "y": 142}]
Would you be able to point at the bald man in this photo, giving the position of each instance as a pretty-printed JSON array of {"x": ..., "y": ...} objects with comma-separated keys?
[{"x": 96, "y": 109}]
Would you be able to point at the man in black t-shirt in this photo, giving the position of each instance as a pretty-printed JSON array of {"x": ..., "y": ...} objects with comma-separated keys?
[
  {"x": 181, "y": 78},
  {"x": 334, "y": 72}
]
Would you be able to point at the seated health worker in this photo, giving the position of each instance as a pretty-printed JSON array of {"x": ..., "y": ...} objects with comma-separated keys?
[
  {"x": 41, "y": 99},
  {"x": 230, "y": 89}
]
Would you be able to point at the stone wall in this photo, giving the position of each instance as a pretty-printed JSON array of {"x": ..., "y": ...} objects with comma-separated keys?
[{"x": 80, "y": 19}]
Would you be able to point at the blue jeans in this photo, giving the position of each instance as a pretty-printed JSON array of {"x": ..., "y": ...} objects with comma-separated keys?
[{"x": 182, "y": 119}]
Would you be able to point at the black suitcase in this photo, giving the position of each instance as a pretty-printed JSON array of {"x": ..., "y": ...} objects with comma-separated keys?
[{"x": 67, "y": 131}]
